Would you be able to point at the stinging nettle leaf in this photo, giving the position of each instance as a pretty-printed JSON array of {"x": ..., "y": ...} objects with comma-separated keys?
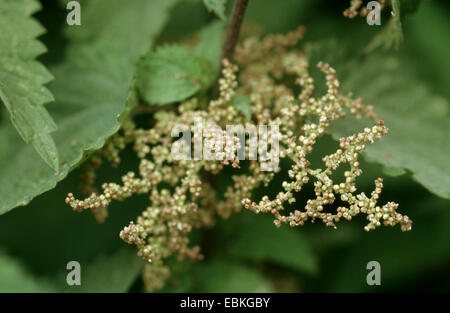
[
  {"x": 258, "y": 239},
  {"x": 216, "y": 6},
  {"x": 402, "y": 256},
  {"x": 418, "y": 122},
  {"x": 14, "y": 277},
  {"x": 110, "y": 273},
  {"x": 94, "y": 88},
  {"x": 431, "y": 44},
  {"x": 22, "y": 78},
  {"x": 242, "y": 103},
  {"x": 218, "y": 276},
  {"x": 129, "y": 26},
  {"x": 91, "y": 95},
  {"x": 172, "y": 74},
  {"x": 417, "y": 119},
  {"x": 210, "y": 44}
]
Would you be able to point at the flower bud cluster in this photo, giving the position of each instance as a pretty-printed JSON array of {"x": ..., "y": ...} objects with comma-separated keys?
[
  {"x": 182, "y": 194},
  {"x": 312, "y": 116}
]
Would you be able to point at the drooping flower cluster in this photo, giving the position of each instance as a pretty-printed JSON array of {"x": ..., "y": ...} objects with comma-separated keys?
[{"x": 182, "y": 193}]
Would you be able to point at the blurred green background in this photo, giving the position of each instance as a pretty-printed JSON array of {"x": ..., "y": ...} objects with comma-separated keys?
[{"x": 246, "y": 253}]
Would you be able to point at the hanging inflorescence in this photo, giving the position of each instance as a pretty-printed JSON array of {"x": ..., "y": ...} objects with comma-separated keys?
[{"x": 181, "y": 198}]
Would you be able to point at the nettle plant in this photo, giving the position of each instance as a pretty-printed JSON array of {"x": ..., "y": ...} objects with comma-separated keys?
[
  {"x": 117, "y": 92},
  {"x": 182, "y": 198}
]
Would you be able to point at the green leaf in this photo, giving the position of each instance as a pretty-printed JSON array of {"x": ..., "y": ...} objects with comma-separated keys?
[
  {"x": 210, "y": 44},
  {"x": 186, "y": 18},
  {"x": 221, "y": 276},
  {"x": 46, "y": 147},
  {"x": 172, "y": 74},
  {"x": 256, "y": 238},
  {"x": 217, "y": 6},
  {"x": 91, "y": 89},
  {"x": 14, "y": 277},
  {"x": 293, "y": 13},
  {"x": 418, "y": 121},
  {"x": 410, "y": 6},
  {"x": 432, "y": 50},
  {"x": 94, "y": 88},
  {"x": 47, "y": 219},
  {"x": 405, "y": 258},
  {"x": 129, "y": 26},
  {"x": 109, "y": 273},
  {"x": 22, "y": 78},
  {"x": 242, "y": 103}
]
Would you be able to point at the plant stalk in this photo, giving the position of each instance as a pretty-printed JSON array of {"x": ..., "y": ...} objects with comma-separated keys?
[{"x": 234, "y": 27}]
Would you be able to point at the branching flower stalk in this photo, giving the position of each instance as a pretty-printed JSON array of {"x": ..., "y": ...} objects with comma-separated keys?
[{"x": 180, "y": 200}]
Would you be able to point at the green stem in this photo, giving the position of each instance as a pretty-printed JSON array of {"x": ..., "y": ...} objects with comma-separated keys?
[{"x": 234, "y": 27}]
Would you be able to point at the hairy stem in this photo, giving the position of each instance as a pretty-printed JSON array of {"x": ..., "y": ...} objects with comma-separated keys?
[{"x": 234, "y": 27}]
